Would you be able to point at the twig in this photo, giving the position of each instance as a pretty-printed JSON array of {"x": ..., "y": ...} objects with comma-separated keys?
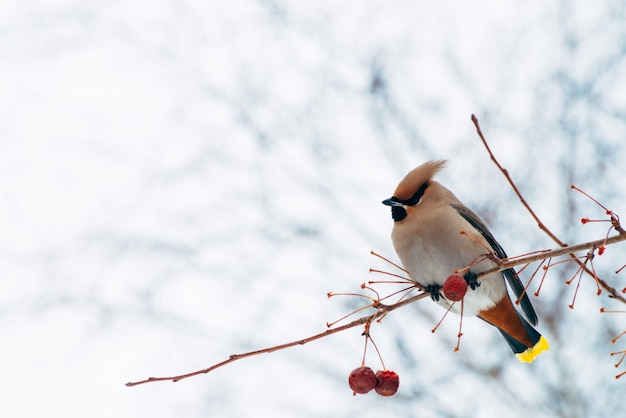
[
  {"x": 381, "y": 310},
  {"x": 515, "y": 189},
  {"x": 567, "y": 250},
  {"x": 611, "y": 290}
]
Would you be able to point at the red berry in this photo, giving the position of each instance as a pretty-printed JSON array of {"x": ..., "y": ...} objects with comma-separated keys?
[
  {"x": 387, "y": 382},
  {"x": 454, "y": 288},
  {"x": 362, "y": 380}
]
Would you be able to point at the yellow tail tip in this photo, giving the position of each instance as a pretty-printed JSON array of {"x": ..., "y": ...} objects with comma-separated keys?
[{"x": 529, "y": 355}]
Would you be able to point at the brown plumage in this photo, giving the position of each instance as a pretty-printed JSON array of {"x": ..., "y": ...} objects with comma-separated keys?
[{"x": 428, "y": 220}]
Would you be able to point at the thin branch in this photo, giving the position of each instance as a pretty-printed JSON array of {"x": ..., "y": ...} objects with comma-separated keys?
[
  {"x": 611, "y": 290},
  {"x": 381, "y": 310},
  {"x": 515, "y": 189},
  {"x": 567, "y": 250}
]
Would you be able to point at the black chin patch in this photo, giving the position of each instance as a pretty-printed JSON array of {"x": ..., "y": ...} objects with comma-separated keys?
[{"x": 398, "y": 213}]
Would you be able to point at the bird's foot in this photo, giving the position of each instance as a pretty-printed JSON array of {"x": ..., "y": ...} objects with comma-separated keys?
[
  {"x": 472, "y": 279},
  {"x": 434, "y": 290}
]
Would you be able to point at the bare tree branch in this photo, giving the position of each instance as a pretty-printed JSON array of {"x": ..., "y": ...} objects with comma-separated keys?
[
  {"x": 383, "y": 309},
  {"x": 611, "y": 290},
  {"x": 543, "y": 255}
]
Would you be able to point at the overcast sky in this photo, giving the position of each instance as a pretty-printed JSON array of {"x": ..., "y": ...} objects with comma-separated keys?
[{"x": 185, "y": 180}]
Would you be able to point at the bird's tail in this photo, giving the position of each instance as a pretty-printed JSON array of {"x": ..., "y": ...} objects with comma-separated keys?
[{"x": 523, "y": 351}]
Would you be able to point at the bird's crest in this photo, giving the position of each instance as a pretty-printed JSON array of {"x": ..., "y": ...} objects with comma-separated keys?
[{"x": 417, "y": 178}]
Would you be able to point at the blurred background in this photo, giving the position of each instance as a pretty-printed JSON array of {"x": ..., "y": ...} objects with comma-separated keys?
[{"x": 184, "y": 180}]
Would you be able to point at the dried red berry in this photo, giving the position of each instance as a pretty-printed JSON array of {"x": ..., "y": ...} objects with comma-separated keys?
[
  {"x": 362, "y": 380},
  {"x": 387, "y": 382},
  {"x": 454, "y": 288}
]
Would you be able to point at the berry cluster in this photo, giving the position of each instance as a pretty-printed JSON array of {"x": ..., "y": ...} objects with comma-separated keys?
[{"x": 363, "y": 380}]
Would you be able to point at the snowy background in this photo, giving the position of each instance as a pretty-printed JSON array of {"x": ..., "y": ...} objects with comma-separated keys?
[{"x": 184, "y": 180}]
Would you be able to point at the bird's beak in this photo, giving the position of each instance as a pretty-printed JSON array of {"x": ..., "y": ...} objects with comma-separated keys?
[{"x": 391, "y": 202}]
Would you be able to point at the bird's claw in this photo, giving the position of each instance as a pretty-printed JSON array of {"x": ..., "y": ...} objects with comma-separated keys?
[
  {"x": 434, "y": 290},
  {"x": 472, "y": 279}
]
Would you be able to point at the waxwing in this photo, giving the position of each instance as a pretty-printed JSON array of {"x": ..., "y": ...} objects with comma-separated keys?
[{"x": 428, "y": 220}]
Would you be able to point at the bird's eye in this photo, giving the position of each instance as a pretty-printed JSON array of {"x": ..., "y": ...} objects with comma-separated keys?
[
  {"x": 417, "y": 197},
  {"x": 398, "y": 206}
]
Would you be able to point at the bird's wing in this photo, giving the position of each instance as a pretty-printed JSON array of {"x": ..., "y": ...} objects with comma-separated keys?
[{"x": 510, "y": 274}]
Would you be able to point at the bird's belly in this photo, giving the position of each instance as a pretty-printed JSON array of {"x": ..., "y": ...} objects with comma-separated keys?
[
  {"x": 483, "y": 297},
  {"x": 435, "y": 267}
]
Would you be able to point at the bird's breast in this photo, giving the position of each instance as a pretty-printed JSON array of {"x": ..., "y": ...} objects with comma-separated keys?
[{"x": 433, "y": 256}]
